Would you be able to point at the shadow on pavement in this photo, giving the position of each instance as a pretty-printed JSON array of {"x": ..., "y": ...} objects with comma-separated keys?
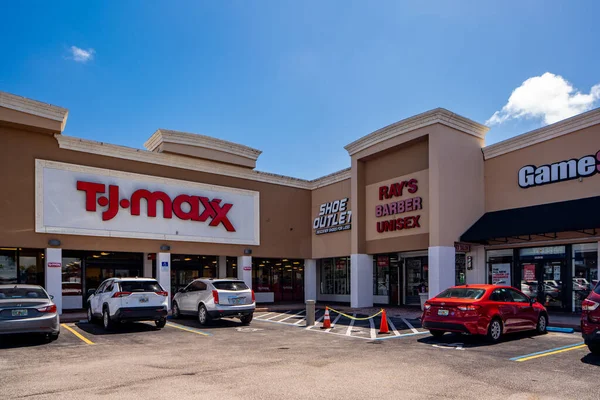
[
  {"x": 472, "y": 341},
  {"x": 591, "y": 359},
  {"x": 23, "y": 340},
  {"x": 191, "y": 322},
  {"x": 130, "y": 327}
]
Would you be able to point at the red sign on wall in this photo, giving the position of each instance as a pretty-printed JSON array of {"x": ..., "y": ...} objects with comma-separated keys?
[{"x": 529, "y": 272}]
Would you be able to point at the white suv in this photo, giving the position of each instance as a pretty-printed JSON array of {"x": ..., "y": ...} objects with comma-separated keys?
[
  {"x": 215, "y": 298},
  {"x": 128, "y": 299}
]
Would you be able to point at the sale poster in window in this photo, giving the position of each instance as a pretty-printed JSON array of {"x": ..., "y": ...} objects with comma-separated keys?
[{"x": 501, "y": 274}]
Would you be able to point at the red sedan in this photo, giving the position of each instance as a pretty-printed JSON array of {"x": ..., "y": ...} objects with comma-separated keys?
[
  {"x": 488, "y": 310},
  {"x": 590, "y": 320}
]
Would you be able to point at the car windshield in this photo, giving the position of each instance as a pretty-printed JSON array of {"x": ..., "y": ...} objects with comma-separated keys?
[
  {"x": 140, "y": 286},
  {"x": 462, "y": 293},
  {"x": 22, "y": 293},
  {"x": 230, "y": 285}
]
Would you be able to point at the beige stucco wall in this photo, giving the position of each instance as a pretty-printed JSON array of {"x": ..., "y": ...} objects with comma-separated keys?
[
  {"x": 502, "y": 190},
  {"x": 207, "y": 154},
  {"x": 336, "y": 244},
  {"x": 456, "y": 184}
]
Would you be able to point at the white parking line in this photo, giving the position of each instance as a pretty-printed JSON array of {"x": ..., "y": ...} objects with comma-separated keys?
[
  {"x": 263, "y": 315},
  {"x": 334, "y": 322},
  {"x": 349, "y": 330},
  {"x": 412, "y": 328},
  {"x": 393, "y": 327},
  {"x": 291, "y": 316},
  {"x": 276, "y": 315},
  {"x": 373, "y": 332}
]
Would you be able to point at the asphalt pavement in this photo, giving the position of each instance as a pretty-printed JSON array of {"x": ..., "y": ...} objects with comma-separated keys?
[{"x": 282, "y": 359}]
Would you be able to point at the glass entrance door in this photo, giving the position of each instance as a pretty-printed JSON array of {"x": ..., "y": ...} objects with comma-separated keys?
[
  {"x": 542, "y": 280},
  {"x": 417, "y": 275}
]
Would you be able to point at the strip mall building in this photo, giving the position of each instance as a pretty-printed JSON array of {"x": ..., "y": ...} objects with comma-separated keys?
[{"x": 424, "y": 204}]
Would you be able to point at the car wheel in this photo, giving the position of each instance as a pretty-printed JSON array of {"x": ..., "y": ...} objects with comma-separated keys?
[
  {"x": 160, "y": 323},
  {"x": 246, "y": 319},
  {"x": 203, "y": 316},
  {"x": 494, "y": 330},
  {"x": 437, "y": 334},
  {"x": 176, "y": 313},
  {"x": 106, "y": 321},
  {"x": 90, "y": 316},
  {"x": 594, "y": 349},
  {"x": 542, "y": 325}
]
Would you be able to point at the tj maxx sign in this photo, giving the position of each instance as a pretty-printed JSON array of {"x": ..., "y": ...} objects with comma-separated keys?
[{"x": 78, "y": 200}]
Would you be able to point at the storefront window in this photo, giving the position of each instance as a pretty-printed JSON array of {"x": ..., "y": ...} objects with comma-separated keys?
[
  {"x": 381, "y": 275},
  {"x": 231, "y": 269},
  {"x": 263, "y": 275},
  {"x": 335, "y": 275},
  {"x": 585, "y": 272},
  {"x": 22, "y": 266},
  {"x": 71, "y": 277},
  {"x": 460, "y": 269},
  {"x": 283, "y": 277},
  {"x": 187, "y": 267},
  {"x": 499, "y": 266},
  {"x": 8, "y": 266},
  {"x": 417, "y": 276}
]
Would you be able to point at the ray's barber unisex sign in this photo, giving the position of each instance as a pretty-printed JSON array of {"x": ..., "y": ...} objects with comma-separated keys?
[
  {"x": 530, "y": 175},
  {"x": 333, "y": 217},
  {"x": 81, "y": 200}
]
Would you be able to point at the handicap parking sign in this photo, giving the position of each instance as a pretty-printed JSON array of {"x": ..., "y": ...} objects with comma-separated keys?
[{"x": 164, "y": 264}]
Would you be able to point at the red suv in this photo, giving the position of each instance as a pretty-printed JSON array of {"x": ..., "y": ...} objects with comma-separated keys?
[
  {"x": 590, "y": 320},
  {"x": 488, "y": 310}
]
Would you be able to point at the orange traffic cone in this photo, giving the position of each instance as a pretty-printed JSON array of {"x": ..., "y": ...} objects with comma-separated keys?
[
  {"x": 383, "y": 328},
  {"x": 326, "y": 320}
]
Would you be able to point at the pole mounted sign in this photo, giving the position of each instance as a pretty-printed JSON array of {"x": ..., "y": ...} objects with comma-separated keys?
[{"x": 81, "y": 200}]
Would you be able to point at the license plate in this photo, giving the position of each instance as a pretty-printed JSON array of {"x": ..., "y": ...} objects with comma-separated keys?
[
  {"x": 443, "y": 312},
  {"x": 19, "y": 313},
  {"x": 143, "y": 299},
  {"x": 237, "y": 300}
]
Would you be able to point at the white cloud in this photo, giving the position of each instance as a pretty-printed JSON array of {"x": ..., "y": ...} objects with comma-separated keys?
[
  {"x": 81, "y": 55},
  {"x": 549, "y": 97}
]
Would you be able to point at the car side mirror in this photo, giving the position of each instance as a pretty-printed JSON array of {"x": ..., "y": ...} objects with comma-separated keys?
[
  {"x": 91, "y": 292},
  {"x": 51, "y": 297},
  {"x": 532, "y": 300}
]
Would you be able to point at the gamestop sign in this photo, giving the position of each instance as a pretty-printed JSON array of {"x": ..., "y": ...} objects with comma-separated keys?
[
  {"x": 530, "y": 175},
  {"x": 78, "y": 200}
]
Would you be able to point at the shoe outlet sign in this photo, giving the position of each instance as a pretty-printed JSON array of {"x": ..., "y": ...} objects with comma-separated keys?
[
  {"x": 80, "y": 200},
  {"x": 333, "y": 217}
]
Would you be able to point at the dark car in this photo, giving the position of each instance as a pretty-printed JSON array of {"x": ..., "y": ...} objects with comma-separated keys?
[
  {"x": 590, "y": 320},
  {"x": 488, "y": 310}
]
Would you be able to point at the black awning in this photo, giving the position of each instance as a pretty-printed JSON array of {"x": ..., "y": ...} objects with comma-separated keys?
[{"x": 544, "y": 219}]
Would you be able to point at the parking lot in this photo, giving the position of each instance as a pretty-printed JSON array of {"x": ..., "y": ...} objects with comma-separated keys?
[{"x": 278, "y": 357}]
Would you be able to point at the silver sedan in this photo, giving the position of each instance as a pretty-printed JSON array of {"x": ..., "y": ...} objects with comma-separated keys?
[{"x": 28, "y": 309}]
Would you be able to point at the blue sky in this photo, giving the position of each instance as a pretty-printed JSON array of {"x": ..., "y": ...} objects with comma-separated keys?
[{"x": 299, "y": 80}]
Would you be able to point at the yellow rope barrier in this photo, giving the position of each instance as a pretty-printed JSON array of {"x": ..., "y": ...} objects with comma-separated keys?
[{"x": 354, "y": 318}]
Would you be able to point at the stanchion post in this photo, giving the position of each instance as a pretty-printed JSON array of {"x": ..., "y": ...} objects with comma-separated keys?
[{"x": 310, "y": 312}]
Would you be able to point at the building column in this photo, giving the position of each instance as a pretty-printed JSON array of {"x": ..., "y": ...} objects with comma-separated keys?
[
  {"x": 245, "y": 269},
  {"x": 53, "y": 275},
  {"x": 442, "y": 266},
  {"x": 222, "y": 269},
  {"x": 147, "y": 273},
  {"x": 163, "y": 272},
  {"x": 477, "y": 274},
  {"x": 310, "y": 280},
  {"x": 361, "y": 280}
]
